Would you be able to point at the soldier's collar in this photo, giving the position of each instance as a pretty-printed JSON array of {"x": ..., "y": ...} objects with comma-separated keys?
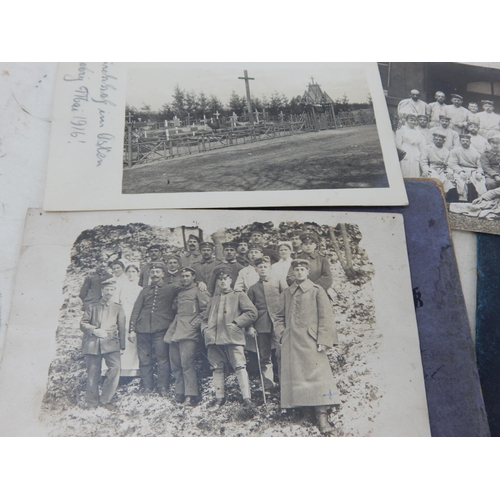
[{"x": 304, "y": 286}]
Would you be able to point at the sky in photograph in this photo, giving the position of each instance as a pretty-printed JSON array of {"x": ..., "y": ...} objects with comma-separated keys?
[{"x": 154, "y": 83}]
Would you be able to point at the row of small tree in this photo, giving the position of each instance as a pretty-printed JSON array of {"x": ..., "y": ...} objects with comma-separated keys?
[{"x": 186, "y": 104}]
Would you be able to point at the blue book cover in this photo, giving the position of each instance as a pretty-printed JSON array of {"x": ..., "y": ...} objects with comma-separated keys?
[
  {"x": 488, "y": 325},
  {"x": 454, "y": 397}
]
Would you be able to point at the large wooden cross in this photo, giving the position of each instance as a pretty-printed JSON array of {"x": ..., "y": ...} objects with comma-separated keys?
[{"x": 249, "y": 102}]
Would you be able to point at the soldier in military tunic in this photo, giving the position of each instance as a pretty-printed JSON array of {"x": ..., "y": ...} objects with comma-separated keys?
[{"x": 151, "y": 316}]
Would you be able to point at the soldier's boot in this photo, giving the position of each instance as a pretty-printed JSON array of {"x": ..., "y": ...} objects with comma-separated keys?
[
  {"x": 308, "y": 414},
  {"x": 244, "y": 383},
  {"x": 322, "y": 420},
  {"x": 218, "y": 381}
]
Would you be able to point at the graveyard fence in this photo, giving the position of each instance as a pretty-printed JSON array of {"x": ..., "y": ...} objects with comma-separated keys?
[{"x": 155, "y": 145}]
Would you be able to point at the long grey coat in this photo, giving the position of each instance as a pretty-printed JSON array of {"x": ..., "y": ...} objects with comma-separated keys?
[{"x": 305, "y": 321}]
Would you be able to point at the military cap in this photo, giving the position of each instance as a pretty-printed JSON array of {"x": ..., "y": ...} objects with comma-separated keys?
[
  {"x": 286, "y": 243},
  {"x": 102, "y": 256},
  {"x": 309, "y": 236},
  {"x": 158, "y": 265},
  {"x": 261, "y": 260},
  {"x": 300, "y": 262},
  {"x": 415, "y": 91},
  {"x": 495, "y": 138},
  {"x": 446, "y": 117},
  {"x": 220, "y": 272},
  {"x": 109, "y": 282},
  {"x": 440, "y": 134},
  {"x": 172, "y": 256},
  {"x": 254, "y": 246},
  {"x": 456, "y": 96},
  {"x": 193, "y": 237},
  {"x": 154, "y": 246},
  {"x": 230, "y": 244},
  {"x": 206, "y": 244},
  {"x": 487, "y": 101},
  {"x": 188, "y": 270}
]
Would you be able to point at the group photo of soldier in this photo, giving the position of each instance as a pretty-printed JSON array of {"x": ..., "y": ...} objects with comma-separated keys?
[
  {"x": 230, "y": 321},
  {"x": 455, "y": 142}
]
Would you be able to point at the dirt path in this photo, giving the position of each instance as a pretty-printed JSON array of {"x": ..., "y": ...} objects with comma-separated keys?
[{"x": 331, "y": 159}]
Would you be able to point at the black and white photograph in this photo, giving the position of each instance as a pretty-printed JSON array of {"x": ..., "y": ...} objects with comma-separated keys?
[
  {"x": 211, "y": 323},
  {"x": 446, "y": 122},
  {"x": 214, "y": 135},
  {"x": 250, "y": 127}
]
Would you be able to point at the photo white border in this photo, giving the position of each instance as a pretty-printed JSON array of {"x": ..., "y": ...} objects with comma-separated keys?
[
  {"x": 38, "y": 296},
  {"x": 74, "y": 182}
]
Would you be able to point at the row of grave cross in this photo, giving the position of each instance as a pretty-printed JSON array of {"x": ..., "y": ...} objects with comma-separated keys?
[{"x": 234, "y": 117}]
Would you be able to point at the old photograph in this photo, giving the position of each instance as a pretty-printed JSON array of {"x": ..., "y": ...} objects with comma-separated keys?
[
  {"x": 213, "y": 135},
  {"x": 212, "y": 323},
  {"x": 197, "y": 127},
  {"x": 447, "y": 127}
]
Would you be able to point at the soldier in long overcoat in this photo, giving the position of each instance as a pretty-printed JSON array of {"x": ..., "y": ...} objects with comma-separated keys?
[{"x": 305, "y": 327}]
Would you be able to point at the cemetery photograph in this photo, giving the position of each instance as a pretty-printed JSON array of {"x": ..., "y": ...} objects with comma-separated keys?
[{"x": 209, "y": 127}]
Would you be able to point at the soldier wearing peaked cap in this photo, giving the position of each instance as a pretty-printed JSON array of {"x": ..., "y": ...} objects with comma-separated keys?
[
  {"x": 257, "y": 237},
  {"x": 230, "y": 249},
  {"x": 434, "y": 163},
  {"x": 242, "y": 251},
  {"x": 173, "y": 269},
  {"x": 266, "y": 299},
  {"x": 489, "y": 122},
  {"x": 208, "y": 263},
  {"x": 91, "y": 288},
  {"x": 184, "y": 337},
  {"x": 193, "y": 254},
  {"x": 452, "y": 139},
  {"x": 154, "y": 254},
  {"x": 459, "y": 116},
  {"x": 103, "y": 326},
  {"x": 469, "y": 176},
  {"x": 490, "y": 162},
  {"x": 305, "y": 327},
  {"x": 320, "y": 272},
  {"x": 224, "y": 325},
  {"x": 151, "y": 316},
  {"x": 248, "y": 275}
]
